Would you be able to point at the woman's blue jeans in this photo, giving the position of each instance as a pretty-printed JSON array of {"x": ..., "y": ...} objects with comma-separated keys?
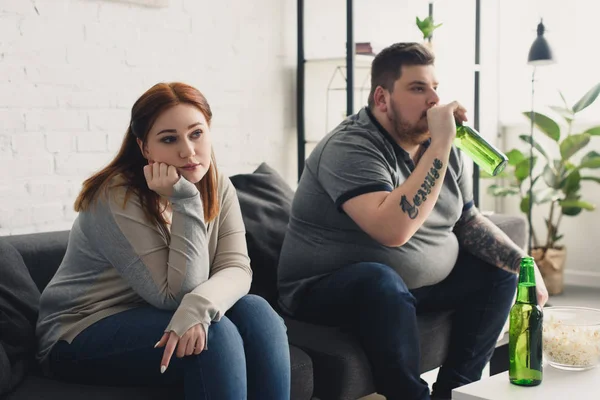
[
  {"x": 372, "y": 301},
  {"x": 247, "y": 357}
]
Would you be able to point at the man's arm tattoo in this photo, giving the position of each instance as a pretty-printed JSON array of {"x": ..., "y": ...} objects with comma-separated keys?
[
  {"x": 421, "y": 196},
  {"x": 482, "y": 238}
]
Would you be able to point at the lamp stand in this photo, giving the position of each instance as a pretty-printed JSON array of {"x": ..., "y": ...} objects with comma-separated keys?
[{"x": 530, "y": 205}]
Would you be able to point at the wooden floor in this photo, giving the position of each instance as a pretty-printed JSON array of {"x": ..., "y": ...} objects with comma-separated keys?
[{"x": 572, "y": 296}]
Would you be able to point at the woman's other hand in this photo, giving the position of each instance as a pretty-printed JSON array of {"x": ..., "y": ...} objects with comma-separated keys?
[{"x": 192, "y": 342}]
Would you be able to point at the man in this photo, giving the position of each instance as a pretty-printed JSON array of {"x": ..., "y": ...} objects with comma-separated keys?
[{"x": 383, "y": 227}]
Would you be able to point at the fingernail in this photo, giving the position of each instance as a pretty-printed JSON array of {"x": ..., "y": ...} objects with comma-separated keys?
[
  {"x": 157, "y": 343},
  {"x": 163, "y": 368}
]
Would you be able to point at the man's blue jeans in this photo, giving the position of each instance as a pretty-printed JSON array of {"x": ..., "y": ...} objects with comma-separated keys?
[
  {"x": 247, "y": 356},
  {"x": 372, "y": 301}
]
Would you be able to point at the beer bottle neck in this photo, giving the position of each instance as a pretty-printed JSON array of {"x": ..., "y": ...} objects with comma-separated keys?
[{"x": 526, "y": 292}]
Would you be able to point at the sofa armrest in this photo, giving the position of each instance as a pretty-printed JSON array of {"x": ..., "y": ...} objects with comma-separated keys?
[{"x": 515, "y": 226}]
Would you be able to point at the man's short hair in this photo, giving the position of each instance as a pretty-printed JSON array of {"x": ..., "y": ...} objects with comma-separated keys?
[{"x": 387, "y": 65}]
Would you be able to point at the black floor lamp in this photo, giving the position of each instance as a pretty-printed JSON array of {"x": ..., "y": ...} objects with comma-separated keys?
[{"x": 539, "y": 54}]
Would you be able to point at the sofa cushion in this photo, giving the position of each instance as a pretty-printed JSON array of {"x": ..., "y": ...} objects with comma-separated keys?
[
  {"x": 39, "y": 388},
  {"x": 302, "y": 374},
  {"x": 42, "y": 253},
  {"x": 35, "y": 387},
  {"x": 265, "y": 199},
  {"x": 341, "y": 368},
  {"x": 19, "y": 299}
]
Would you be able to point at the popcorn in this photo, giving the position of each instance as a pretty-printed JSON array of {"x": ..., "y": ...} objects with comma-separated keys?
[{"x": 576, "y": 346}]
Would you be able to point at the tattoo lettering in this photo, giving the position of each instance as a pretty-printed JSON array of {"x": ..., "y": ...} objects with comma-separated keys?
[
  {"x": 417, "y": 200},
  {"x": 426, "y": 187},
  {"x": 430, "y": 180},
  {"x": 408, "y": 208},
  {"x": 421, "y": 196}
]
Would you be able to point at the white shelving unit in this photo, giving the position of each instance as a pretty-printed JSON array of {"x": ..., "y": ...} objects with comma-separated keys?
[{"x": 325, "y": 94}]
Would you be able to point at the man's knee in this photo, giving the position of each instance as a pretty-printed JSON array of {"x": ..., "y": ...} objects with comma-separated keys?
[
  {"x": 381, "y": 281},
  {"x": 501, "y": 277}
]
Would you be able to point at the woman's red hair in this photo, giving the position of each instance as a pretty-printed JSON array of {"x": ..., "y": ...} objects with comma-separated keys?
[{"x": 129, "y": 162}]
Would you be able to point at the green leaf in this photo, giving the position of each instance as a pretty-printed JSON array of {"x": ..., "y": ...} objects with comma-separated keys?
[
  {"x": 525, "y": 204},
  {"x": 515, "y": 156},
  {"x": 571, "y": 184},
  {"x": 595, "y": 131},
  {"x": 577, "y": 203},
  {"x": 571, "y": 208},
  {"x": 499, "y": 191},
  {"x": 571, "y": 211},
  {"x": 590, "y": 160},
  {"x": 560, "y": 168},
  {"x": 546, "y": 195},
  {"x": 573, "y": 143},
  {"x": 562, "y": 96},
  {"x": 545, "y": 124},
  {"x": 587, "y": 98},
  {"x": 426, "y": 26},
  {"x": 522, "y": 169},
  {"x": 551, "y": 178},
  {"x": 557, "y": 238},
  {"x": 590, "y": 178},
  {"x": 536, "y": 145},
  {"x": 566, "y": 113}
]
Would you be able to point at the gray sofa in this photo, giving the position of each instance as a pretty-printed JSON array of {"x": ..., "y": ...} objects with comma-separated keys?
[{"x": 327, "y": 363}]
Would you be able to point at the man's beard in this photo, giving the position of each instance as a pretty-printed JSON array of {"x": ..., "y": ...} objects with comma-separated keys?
[{"x": 404, "y": 130}]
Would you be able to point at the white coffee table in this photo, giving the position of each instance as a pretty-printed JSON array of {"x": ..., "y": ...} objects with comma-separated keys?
[{"x": 556, "y": 385}]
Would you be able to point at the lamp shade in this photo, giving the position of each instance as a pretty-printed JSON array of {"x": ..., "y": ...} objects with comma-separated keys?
[{"x": 540, "y": 52}]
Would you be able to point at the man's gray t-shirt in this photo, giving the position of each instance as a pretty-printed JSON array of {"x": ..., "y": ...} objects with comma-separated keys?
[{"x": 360, "y": 157}]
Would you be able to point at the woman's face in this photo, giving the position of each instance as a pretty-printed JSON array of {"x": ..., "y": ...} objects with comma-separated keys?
[{"x": 180, "y": 137}]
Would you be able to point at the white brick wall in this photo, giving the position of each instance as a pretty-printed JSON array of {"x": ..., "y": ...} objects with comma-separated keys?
[{"x": 71, "y": 69}]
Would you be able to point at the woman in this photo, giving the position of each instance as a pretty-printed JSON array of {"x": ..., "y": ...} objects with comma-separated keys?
[{"x": 156, "y": 257}]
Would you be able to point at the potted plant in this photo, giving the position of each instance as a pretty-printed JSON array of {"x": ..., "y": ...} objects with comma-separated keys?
[
  {"x": 558, "y": 183},
  {"x": 427, "y": 26}
]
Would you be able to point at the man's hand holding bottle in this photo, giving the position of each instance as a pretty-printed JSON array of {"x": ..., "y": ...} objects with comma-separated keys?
[{"x": 441, "y": 121}]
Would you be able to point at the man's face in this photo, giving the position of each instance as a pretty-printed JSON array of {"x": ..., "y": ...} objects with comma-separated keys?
[{"x": 414, "y": 93}]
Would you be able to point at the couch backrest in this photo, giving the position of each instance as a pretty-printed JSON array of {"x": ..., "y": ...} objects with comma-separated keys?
[
  {"x": 265, "y": 199},
  {"x": 42, "y": 253}
]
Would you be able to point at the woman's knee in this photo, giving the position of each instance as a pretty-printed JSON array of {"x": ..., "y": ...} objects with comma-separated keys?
[
  {"x": 223, "y": 335},
  {"x": 254, "y": 313}
]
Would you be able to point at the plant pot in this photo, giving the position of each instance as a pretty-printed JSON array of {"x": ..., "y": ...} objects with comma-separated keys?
[{"x": 552, "y": 267}]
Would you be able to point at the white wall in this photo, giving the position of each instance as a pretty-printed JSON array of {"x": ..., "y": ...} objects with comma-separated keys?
[
  {"x": 571, "y": 32},
  {"x": 383, "y": 22},
  {"x": 71, "y": 69}
]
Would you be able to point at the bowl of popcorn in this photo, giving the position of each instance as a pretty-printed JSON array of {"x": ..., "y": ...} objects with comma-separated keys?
[{"x": 571, "y": 337}]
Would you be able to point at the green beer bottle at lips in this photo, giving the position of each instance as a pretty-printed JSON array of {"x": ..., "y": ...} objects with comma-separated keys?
[
  {"x": 489, "y": 158},
  {"x": 525, "y": 332}
]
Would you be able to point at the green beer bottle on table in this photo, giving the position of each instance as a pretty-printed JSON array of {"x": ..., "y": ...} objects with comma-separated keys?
[
  {"x": 525, "y": 333},
  {"x": 489, "y": 158}
]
